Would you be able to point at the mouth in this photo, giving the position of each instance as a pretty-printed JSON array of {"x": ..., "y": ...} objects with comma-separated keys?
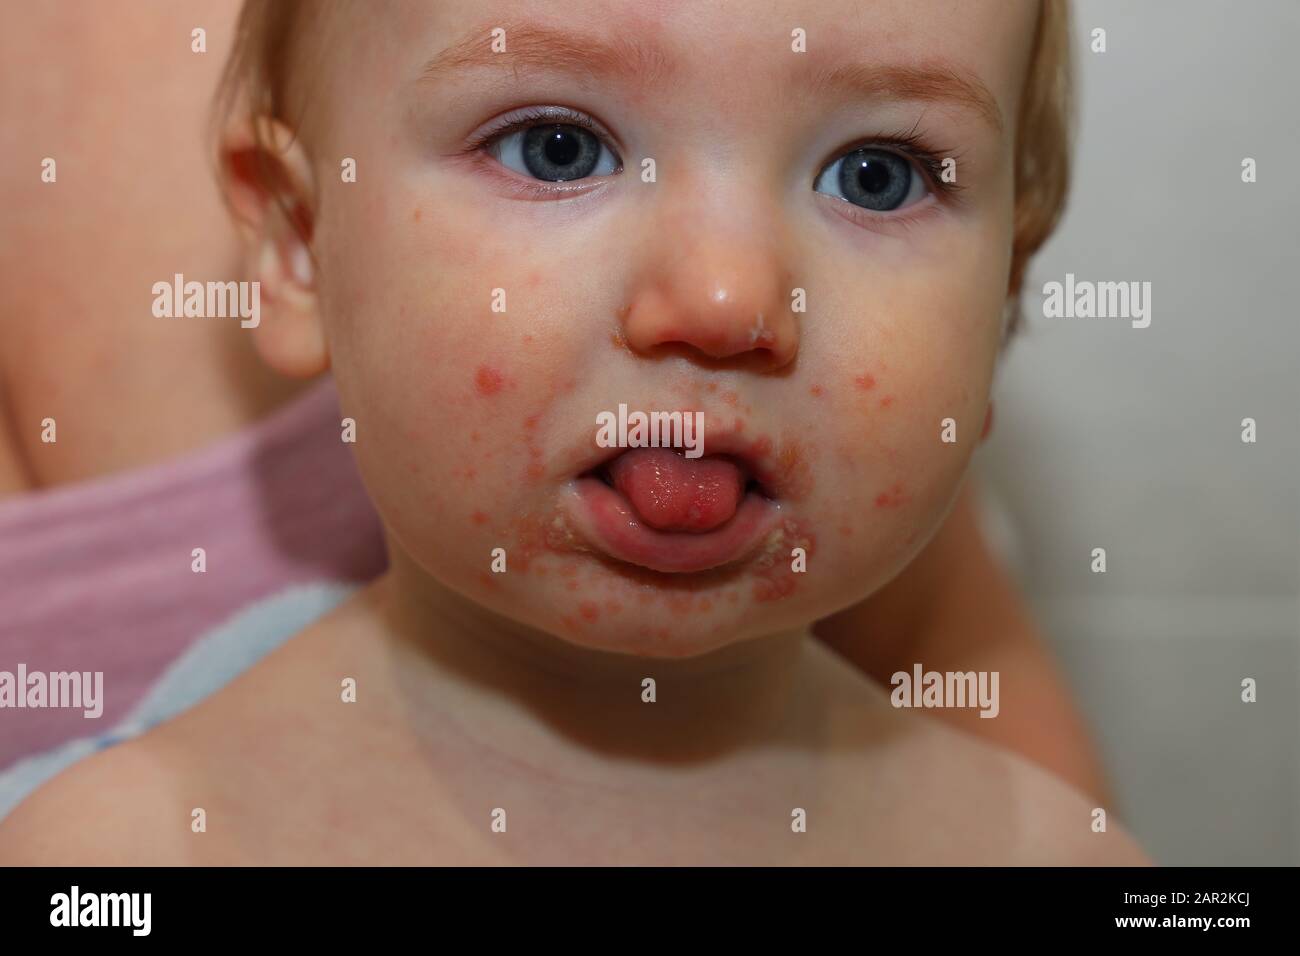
[{"x": 657, "y": 509}]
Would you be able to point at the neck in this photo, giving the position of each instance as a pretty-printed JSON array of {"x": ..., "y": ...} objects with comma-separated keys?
[{"x": 528, "y": 694}]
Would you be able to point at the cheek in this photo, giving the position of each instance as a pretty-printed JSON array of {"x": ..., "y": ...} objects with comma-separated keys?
[
  {"x": 442, "y": 371},
  {"x": 923, "y": 351}
]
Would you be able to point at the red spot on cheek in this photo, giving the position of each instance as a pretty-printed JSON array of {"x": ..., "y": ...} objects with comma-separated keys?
[
  {"x": 479, "y": 517},
  {"x": 416, "y": 214},
  {"x": 817, "y": 391},
  {"x": 893, "y": 498},
  {"x": 731, "y": 398},
  {"x": 589, "y": 610},
  {"x": 865, "y": 382},
  {"x": 887, "y": 401},
  {"x": 535, "y": 470},
  {"x": 488, "y": 380}
]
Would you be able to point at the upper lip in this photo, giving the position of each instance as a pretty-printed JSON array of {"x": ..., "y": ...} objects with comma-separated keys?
[{"x": 749, "y": 450}]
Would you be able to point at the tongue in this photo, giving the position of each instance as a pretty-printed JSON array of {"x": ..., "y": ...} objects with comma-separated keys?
[{"x": 673, "y": 493}]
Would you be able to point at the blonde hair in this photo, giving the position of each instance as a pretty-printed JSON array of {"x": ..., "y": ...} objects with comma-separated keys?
[
  {"x": 1044, "y": 146},
  {"x": 273, "y": 34}
]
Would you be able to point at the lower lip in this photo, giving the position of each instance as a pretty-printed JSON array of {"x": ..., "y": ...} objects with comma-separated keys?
[{"x": 605, "y": 518}]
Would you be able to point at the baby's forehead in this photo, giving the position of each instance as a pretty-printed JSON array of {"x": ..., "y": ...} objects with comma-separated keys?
[{"x": 712, "y": 51}]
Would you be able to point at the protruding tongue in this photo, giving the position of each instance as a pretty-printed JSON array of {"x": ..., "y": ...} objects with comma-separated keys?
[{"x": 671, "y": 492}]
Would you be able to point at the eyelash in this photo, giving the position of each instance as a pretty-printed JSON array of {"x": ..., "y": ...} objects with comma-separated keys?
[
  {"x": 535, "y": 116},
  {"x": 909, "y": 144},
  {"x": 929, "y": 162},
  {"x": 912, "y": 146}
]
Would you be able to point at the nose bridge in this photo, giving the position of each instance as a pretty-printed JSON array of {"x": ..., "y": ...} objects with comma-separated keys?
[{"x": 717, "y": 274}]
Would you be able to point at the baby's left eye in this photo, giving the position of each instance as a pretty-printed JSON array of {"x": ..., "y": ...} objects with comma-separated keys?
[{"x": 873, "y": 178}]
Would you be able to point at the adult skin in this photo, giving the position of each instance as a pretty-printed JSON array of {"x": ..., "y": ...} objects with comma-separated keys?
[
  {"x": 113, "y": 93},
  {"x": 123, "y": 111}
]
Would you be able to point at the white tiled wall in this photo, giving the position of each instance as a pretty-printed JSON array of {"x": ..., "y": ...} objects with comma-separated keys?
[{"x": 1129, "y": 439}]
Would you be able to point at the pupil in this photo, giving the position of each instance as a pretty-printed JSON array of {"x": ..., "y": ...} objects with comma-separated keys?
[
  {"x": 562, "y": 147},
  {"x": 873, "y": 176}
]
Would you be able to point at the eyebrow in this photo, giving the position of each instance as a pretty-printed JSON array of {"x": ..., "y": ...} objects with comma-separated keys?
[
  {"x": 539, "y": 46},
  {"x": 932, "y": 84},
  {"x": 592, "y": 57}
]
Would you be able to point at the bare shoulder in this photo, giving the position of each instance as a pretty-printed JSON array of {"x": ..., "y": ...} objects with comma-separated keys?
[
  {"x": 206, "y": 787},
  {"x": 914, "y": 790},
  {"x": 972, "y": 802},
  {"x": 120, "y": 807},
  {"x": 1058, "y": 825}
]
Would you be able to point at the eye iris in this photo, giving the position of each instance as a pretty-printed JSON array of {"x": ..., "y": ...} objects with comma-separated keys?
[
  {"x": 561, "y": 152},
  {"x": 875, "y": 179}
]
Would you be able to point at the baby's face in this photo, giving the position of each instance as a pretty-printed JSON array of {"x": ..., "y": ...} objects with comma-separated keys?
[{"x": 666, "y": 206}]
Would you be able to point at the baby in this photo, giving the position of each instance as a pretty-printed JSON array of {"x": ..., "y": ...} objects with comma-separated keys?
[{"x": 503, "y": 225}]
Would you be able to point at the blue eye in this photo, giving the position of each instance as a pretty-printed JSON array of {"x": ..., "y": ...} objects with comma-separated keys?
[
  {"x": 875, "y": 179},
  {"x": 555, "y": 152}
]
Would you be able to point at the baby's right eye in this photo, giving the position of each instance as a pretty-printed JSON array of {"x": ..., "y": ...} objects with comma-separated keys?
[{"x": 554, "y": 152}]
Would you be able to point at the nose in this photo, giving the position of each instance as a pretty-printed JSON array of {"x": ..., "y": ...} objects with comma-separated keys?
[{"x": 720, "y": 293}]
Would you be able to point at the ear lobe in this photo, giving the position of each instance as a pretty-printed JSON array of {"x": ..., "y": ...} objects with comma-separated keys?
[{"x": 268, "y": 182}]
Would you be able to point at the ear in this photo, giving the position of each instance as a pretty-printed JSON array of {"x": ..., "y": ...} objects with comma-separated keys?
[{"x": 268, "y": 181}]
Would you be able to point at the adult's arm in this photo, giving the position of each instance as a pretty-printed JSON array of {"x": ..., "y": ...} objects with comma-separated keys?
[{"x": 954, "y": 608}]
